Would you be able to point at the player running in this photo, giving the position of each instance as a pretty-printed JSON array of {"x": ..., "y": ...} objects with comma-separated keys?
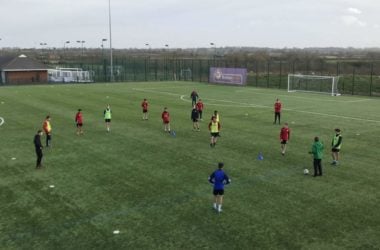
[{"x": 284, "y": 137}]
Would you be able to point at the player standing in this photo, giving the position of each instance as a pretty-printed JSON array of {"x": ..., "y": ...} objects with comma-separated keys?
[
  {"x": 219, "y": 178},
  {"x": 38, "y": 147},
  {"x": 166, "y": 119},
  {"x": 144, "y": 106},
  {"x": 107, "y": 117},
  {"x": 195, "y": 117},
  {"x": 216, "y": 114},
  {"x": 194, "y": 96},
  {"x": 214, "y": 127},
  {"x": 284, "y": 137},
  {"x": 336, "y": 144},
  {"x": 46, "y": 126},
  {"x": 317, "y": 151},
  {"x": 200, "y": 108},
  {"x": 277, "y": 111},
  {"x": 79, "y": 121}
]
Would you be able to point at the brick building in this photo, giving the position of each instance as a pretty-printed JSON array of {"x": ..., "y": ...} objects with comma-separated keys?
[{"x": 22, "y": 70}]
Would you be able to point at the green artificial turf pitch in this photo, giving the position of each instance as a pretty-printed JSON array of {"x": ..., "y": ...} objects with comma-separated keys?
[{"x": 153, "y": 187}]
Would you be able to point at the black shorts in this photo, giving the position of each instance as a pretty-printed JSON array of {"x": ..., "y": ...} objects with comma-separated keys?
[
  {"x": 284, "y": 142},
  {"x": 195, "y": 120},
  {"x": 145, "y": 111},
  {"x": 215, "y": 134},
  {"x": 218, "y": 192},
  {"x": 335, "y": 150},
  {"x": 107, "y": 120},
  {"x": 79, "y": 125}
]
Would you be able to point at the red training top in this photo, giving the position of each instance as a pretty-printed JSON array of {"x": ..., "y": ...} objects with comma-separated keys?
[
  {"x": 144, "y": 105},
  {"x": 285, "y": 134},
  {"x": 199, "y": 106},
  {"x": 79, "y": 117},
  {"x": 277, "y": 107},
  {"x": 165, "y": 116}
]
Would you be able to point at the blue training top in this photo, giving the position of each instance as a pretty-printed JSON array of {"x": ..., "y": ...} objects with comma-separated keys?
[{"x": 219, "y": 178}]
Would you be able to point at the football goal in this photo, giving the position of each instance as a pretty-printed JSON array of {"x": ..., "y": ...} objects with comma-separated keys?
[
  {"x": 313, "y": 83},
  {"x": 186, "y": 75}
]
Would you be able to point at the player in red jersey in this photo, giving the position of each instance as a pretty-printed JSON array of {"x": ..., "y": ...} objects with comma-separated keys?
[
  {"x": 284, "y": 137},
  {"x": 200, "y": 108},
  {"x": 166, "y": 119},
  {"x": 144, "y": 106},
  {"x": 277, "y": 111},
  {"x": 79, "y": 121}
]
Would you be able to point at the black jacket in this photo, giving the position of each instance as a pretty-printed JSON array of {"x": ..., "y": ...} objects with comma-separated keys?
[{"x": 37, "y": 141}]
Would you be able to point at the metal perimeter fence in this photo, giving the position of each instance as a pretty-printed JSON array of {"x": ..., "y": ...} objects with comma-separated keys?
[{"x": 355, "y": 77}]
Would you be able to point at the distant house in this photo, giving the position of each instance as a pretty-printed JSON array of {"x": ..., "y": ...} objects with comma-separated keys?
[{"x": 22, "y": 70}]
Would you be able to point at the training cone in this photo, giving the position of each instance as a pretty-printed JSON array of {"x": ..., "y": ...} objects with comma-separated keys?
[{"x": 260, "y": 157}]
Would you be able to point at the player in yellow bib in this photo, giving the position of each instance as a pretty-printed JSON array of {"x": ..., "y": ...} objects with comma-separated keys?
[{"x": 214, "y": 127}]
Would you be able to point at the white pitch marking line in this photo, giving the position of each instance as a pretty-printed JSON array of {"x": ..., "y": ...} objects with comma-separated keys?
[
  {"x": 259, "y": 106},
  {"x": 2, "y": 121}
]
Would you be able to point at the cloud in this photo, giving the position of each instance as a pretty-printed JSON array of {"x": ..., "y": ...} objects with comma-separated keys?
[
  {"x": 354, "y": 11},
  {"x": 353, "y": 21}
]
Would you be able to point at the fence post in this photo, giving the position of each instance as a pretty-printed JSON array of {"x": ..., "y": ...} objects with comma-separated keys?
[
  {"x": 146, "y": 79},
  {"x": 268, "y": 65},
  {"x": 192, "y": 70},
  {"x": 155, "y": 69},
  {"x": 353, "y": 80},
  {"x": 257, "y": 72},
  {"x": 279, "y": 85},
  {"x": 200, "y": 70},
  {"x": 371, "y": 82}
]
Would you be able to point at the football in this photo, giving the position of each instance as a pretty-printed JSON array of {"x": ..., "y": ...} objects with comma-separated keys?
[{"x": 306, "y": 171}]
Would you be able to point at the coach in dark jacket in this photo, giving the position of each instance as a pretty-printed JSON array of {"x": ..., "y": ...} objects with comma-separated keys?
[{"x": 38, "y": 146}]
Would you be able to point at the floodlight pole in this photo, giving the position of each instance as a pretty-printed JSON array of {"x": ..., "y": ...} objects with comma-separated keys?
[
  {"x": 110, "y": 31},
  {"x": 64, "y": 47},
  {"x": 103, "y": 40},
  {"x": 214, "y": 45}
]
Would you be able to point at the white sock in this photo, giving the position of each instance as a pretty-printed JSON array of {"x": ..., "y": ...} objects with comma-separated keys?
[
  {"x": 215, "y": 206},
  {"x": 219, "y": 207}
]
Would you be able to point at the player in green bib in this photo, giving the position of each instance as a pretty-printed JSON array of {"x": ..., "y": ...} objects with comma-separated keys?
[{"x": 108, "y": 117}]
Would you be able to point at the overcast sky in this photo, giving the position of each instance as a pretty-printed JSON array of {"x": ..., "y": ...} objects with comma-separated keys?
[{"x": 191, "y": 23}]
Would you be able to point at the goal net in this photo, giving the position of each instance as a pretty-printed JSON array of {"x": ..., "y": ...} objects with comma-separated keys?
[
  {"x": 313, "y": 83},
  {"x": 186, "y": 75}
]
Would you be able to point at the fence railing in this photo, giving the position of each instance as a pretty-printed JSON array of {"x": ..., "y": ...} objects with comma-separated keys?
[{"x": 356, "y": 78}]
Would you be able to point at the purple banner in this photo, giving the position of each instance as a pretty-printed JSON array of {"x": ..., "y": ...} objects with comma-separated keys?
[{"x": 236, "y": 76}]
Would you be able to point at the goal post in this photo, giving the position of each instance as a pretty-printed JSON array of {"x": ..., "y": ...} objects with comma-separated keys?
[{"x": 313, "y": 83}]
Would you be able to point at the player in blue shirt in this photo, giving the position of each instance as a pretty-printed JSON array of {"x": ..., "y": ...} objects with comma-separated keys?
[{"x": 219, "y": 178}]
